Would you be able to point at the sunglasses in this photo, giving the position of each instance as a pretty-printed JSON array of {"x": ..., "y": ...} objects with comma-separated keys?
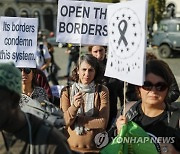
[
  {"x": 26, "y": 70},
  {"x": 159, "y": 86}
]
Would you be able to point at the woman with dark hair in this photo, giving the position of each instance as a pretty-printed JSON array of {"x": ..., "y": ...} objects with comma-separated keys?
[
  {"x": 85, "y": 105},
  {"x": 42, "y": 81},
  {"x": 87, "y": 58},
  {"x": 173, "y": 93},
  {"x": 29, "y": 85},
  {"x": 152, "y": 112}
]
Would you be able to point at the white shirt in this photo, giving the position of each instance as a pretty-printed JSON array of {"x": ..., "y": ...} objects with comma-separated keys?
[{"x": 39, "y": 58}]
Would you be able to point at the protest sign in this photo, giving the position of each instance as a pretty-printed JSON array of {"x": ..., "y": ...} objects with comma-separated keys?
[
  {"x": 127, "y": 41},
  {"x": 82, "y": 22},
  {"x": 18, "y": 40}
]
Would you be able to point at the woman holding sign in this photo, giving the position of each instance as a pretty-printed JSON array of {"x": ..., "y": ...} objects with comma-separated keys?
[
  {"x": 85, "y": 105},
  {"x": 152, "y": 112},
  {"x": 29, "y": 85}
]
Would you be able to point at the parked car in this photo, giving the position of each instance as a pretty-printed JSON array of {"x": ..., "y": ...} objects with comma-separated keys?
[
  {"x": 44, "y": 32},
  {"x": 167, "y": 37},
  {"x": 52, "y": 40}
]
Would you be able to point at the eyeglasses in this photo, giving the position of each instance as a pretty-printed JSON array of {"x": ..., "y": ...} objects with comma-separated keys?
[
  {"x": 159, "y": 86},
  {"x": 26, "y": 70}
]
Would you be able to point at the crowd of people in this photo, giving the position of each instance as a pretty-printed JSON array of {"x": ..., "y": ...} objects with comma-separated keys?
[{"x": 89, "y": 103}]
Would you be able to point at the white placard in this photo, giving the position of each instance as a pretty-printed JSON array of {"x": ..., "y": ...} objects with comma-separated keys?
[
  {"x": 127, "y": 41},
  {"x": 82, "y": 22},
  {"x": 18, "y": 40}
]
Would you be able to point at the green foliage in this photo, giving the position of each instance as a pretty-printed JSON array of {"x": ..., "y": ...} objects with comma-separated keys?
[{"x": 155, "y": 10}]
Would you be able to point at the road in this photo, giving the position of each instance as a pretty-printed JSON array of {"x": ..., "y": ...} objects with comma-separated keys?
[
  {"x": 174, "y": 64},
  {"x": 61, "y": 59}
]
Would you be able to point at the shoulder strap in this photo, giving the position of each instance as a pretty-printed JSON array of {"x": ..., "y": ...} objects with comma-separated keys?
[
  {"x": 175, "y": 119},
  {"x": 127, "y": 108},
  {"x": 98, "y": 91},
  {"x": 66, "y": 88},
  {"x": 68, "y": 91},
  {"x": 112, "y": 131},
  {"x": 42, "y": 136},
  {"x": 129, "y": 105},
  {"x": 99, "y": 88}
]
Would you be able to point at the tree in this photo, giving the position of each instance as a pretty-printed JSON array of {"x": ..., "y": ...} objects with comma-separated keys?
[{"x": 155, "y": 10}]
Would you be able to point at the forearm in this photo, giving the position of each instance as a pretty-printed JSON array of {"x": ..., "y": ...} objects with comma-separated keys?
[
  {"x": 69, "y": 110},
  {"x": 99, "y": 120},
  {"x": 70, "y": 115},
  {"x": 92, "y": 122},
  {"x": 46, "y": 64}
]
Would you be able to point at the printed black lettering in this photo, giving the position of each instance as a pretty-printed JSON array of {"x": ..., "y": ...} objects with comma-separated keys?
[
  {"x": 18, "y": 41},
  {"x": 13, "y": 26},
  {"x": 23, "y": 27},
  {"x": 91, "y": 29},
  {"x": 103, "y": 13},
  {"x": 14, "y": 55},
  {"x": 61, "y": 27},
  {"x": 22, "y": 56},
  {"x": 84, "y": 28},
  {"x": 86, "y": 12},
  {"x": 7, "y": 55},
  {"x": 71, "y": 10},
  {"x": 77, "y": 28},
  {"x": 6, "y": 26},
  {"x": 4, "y": 55},
  {"x": 105, "y": 33},
  {"x": 98, "y": 30},
  {"x": 96, "y": 12},
  {"x": 19, "y": 56},
  {"x": 69, "y": 27},
  {"x": 78, "y": 11},
  {"x": 64, "y": 10},
  {"x": 32, "y": 28}
]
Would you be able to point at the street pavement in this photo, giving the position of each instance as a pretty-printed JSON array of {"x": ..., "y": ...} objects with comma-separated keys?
[{"x": 61, "y": 58}]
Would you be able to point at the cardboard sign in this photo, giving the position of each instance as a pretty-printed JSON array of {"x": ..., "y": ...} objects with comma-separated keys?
[
  {"x": 127, "y": 41},
  {"x": 18, "y": 40},
  {"x": 82, "y": 22}
]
